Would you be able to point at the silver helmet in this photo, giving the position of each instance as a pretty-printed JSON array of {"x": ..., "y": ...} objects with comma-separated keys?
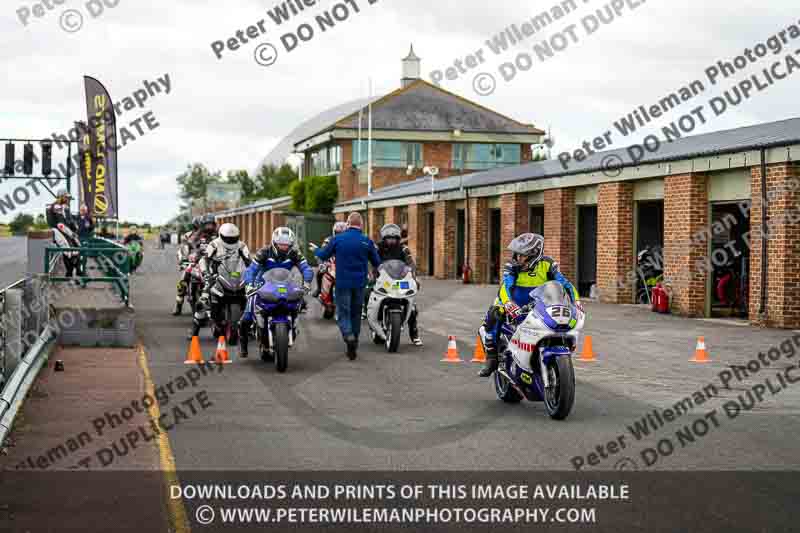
[
  {"x": 282, "y": 240},
  {"x": 391, "y": 231},
  {"x": 527, "y": 250}
]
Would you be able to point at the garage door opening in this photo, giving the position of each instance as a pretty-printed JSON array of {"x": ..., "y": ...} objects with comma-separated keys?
[
  {"x": 495, "y": 245},
  {"x": 461, "y": 226},
  {"x": 649, "y": 248},
  {"x": 536, "y": 219},
  {"x": 587, "y": 249},
  {"x": 729, "y": 255}
]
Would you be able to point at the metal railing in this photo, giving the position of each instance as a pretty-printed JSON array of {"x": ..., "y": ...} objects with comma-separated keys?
[
  {"x": 24, "y": 313},
  {"x": 94, "y": 255}
]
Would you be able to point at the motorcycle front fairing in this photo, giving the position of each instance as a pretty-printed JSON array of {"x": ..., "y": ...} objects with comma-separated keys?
[
  {"x": 279, "y": 296},
  {"x": 395, "y": 285},
  {"x": 551, "y": 329}
]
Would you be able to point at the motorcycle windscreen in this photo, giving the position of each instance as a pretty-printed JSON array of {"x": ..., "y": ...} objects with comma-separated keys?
[
  {"x": 551, "y": 293},
  {"x": 395, "y": 269},
  {"x": 231, "y": 272},
  {"x": 288, "y": 288}
]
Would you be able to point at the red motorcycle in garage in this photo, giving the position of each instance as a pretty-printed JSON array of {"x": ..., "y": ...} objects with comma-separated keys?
[
  {"x": 327, "y": 286},
  {"x": 730, "y": 286}
]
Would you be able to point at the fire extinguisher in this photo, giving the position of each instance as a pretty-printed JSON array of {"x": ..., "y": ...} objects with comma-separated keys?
[
  {"x": 466, "y": 274},
  {"x": 660, "y": 300}
]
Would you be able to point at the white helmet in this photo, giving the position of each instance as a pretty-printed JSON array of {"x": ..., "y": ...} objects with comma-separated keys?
[
  {"x": 229, "y": 235},
  {"x": 282, "y": 240},
  {"x": 339, "y": 227}
]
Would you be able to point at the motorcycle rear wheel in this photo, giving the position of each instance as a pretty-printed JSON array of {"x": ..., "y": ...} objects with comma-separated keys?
[
  {"x": 559, "y": 399},
  {"x": 505, "y": 391},
  {"x": 328, "y": 312}
]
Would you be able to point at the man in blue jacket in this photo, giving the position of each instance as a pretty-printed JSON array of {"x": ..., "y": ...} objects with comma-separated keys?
[{"x": 353, "y": 251}]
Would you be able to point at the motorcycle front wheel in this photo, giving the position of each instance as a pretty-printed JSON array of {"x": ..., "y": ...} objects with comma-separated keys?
[
  {"x": 393, "y": 333},
  {"x": 560, "y": 396},
  {"x": 281, "y": 338}
]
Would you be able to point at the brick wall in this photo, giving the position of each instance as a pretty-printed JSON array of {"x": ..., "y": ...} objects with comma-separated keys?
[
  {"x": 376, "y": 222},
  {"x": 478, "y": 238},
  {"x": 514, "y": 221},
  {"x": 560, "y": 230},
  {"x": 416, "y": 236},
  {"x": 783, "y": 246},
  {"x": 445, "y": 240},
  {"x": 686, "y": 215},
  {"x": 615, "y": 241}
]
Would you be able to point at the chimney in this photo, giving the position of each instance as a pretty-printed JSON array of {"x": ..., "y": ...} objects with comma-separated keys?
[{"x": 411, "y": 68}]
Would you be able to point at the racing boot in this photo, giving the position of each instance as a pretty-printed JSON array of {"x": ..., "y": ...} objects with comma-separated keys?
[
  {"x": 413, "y": 329},
  {"x": 244, "y": 337},
  {"x": 491, "y": 357},
  {"x": 178, "y": 307}
]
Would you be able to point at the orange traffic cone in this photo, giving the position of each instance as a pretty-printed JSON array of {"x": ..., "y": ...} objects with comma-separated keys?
[
  {"x": 587, "y": 354},
  {"x": 480, "y": 354},
  {"x": 700, "y": 353},
  {"x": 222, "y": 352},
  {"x": 194, "y": 356},
  {"x": 452, "y": 351}
]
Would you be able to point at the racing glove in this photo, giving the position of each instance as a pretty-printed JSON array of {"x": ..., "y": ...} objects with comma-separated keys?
[{"x": 512, "y": 310}]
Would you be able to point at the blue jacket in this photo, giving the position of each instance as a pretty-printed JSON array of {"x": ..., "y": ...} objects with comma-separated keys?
[
  {"x": 265, "y": 259},
  {"x": 352, "y": 250}
]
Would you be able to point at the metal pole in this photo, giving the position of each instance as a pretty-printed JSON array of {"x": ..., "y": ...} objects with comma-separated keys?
[{"x": 369, "y": 148}]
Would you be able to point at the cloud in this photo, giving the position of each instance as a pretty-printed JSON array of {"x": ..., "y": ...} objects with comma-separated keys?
[{"x": 228, "y": 113}]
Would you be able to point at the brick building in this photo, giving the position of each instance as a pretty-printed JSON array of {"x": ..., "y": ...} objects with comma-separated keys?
[
  {"x": 699, "y": 198},
  {"x": 419, "y": 125}
]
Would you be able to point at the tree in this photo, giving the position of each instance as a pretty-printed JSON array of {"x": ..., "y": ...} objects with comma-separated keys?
[
  {"x": 41, "y": 222},
  {"x": 20, "y": 224},
  {"x": 273, "y": 181},
  {"x": 315, "y": 195},
  {"x": 245, "y": 182},
  {"x": 193, "y": 183},
  {"x": 298, "y": 193}
]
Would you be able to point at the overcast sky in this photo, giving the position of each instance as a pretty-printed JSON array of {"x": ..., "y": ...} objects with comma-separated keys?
[{"x": 229, "y": 113}]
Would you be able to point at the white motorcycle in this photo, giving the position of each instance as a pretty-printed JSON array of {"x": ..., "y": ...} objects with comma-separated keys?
[
  {"x": 536, "y": 355},
  {"x": 391, "y": 303}
]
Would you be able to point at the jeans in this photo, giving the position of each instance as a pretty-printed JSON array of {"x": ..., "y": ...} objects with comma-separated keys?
[{"x": 348, "y": 310}]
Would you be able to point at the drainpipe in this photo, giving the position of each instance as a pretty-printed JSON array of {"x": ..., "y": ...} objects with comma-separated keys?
[
  {"x": 762, "y": 309},
  {"x": 466, "y": 267}
]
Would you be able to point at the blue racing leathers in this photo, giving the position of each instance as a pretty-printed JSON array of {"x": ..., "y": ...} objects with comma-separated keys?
[
  {"x": 266, "y": 259},
  {"x": 516, "y": 287}
]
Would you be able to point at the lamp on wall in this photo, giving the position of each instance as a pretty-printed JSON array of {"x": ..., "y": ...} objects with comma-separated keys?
[{"x": 456, "y": 133}]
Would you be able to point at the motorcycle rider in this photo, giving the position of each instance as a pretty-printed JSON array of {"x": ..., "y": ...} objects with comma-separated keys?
[
  {"x": 280, "y": 253},
  {"x": 391, "y": 248},
  {"x": 133, "y": 235},
  {"x": 206, "y": 231},
  {"x": 226, "y": 244},
  {"x": 65, "y": 230},
  {"x": 338, "y": 228},
  {"x": 528, "y": 269}
]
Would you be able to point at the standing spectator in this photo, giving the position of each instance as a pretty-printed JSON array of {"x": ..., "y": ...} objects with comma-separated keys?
[
  {"x": 85, "y": 223},
  {"x": 353, "y": 252}
]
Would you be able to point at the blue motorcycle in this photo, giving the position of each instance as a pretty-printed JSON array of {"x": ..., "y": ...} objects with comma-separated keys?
[{"x": 277, "y": 303}]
